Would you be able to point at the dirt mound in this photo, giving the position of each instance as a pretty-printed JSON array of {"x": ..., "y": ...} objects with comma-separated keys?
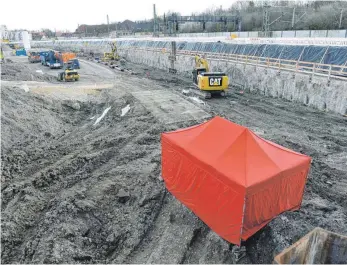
[
  {"x": 29, "y": 117},
  {"x": 13, "y": 71},
  {"x": 78, "y": 191}
]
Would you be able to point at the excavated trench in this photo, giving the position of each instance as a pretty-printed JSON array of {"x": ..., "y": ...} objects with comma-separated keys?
[{"x": 78, "y": 192}]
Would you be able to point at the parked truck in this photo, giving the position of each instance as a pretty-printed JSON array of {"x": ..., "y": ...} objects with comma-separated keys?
[
  {"x": 66, "y": 58},
  {"x": 34, "y": 57},
  {"x": 52, "y": 60},
  {"x": 44, "y": 57}
]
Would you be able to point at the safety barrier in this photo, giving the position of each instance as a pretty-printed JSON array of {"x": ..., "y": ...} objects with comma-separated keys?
[
  {"x": 298, "y": 66},
  {"x": 319, "y": 69},
  {"x": 275, "y": 34}
]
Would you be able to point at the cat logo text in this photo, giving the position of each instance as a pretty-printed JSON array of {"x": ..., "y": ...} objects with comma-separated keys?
[{"x": 215, "y": 81}]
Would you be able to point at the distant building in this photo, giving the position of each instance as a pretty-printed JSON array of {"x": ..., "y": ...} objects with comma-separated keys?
[
  {"x": 4, "y": 34},
  {"x": 120, "y": 33}
]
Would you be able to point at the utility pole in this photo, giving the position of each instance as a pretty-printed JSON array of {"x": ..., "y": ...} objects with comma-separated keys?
[
  {"x": 341, "y": 14},
  {"x": 165, "y": 25},
  {"x": 155, "y": 26},
  {"x": 293, "y": 18},
  {"x": 108, "y": 26},
  {"x": 116, "y": 30},
  {"x": 266, "y": 19}
]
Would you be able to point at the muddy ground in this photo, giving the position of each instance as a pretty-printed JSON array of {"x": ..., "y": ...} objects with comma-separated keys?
[{"x": 78, "y": 192}]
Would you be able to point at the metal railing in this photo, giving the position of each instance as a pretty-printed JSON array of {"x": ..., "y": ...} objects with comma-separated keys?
[{"x": 319, "y": 69}]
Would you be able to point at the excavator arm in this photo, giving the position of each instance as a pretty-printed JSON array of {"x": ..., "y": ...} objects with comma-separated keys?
[
  {"x": 114, "y": 50},
  {"x": 201, "y": 63}
]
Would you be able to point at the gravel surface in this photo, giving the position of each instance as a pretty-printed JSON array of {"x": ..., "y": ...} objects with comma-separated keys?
[
  {"x": 19, "y": 71},
  {"x": 75, "y": 192}
]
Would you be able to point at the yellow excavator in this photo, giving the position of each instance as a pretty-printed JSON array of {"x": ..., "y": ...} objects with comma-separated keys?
[
  {"x": 2, "y": 58},
  {"x": 208, "y": 83},
  {"x": 111, "y": 57}
]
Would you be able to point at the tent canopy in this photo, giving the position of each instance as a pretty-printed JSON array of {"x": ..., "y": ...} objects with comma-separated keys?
[{"x": 222, "y": 164}]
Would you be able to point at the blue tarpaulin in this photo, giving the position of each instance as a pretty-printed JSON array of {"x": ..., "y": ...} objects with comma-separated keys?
[{"x": 318, "y": 54}]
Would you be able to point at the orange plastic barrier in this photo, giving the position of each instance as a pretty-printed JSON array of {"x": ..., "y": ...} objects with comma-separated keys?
[{"x": 234, "y": 180}]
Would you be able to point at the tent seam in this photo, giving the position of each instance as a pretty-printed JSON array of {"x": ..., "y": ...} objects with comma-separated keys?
[
  {"x": 243, "y": 216},
  {"x": 278, "y": 167},
  {"x": 244, "y": 198}
]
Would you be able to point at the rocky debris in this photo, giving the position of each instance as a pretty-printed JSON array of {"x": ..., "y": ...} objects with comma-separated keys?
[
  {"x": 172, "y": 245},
  {"x": 72, "y": 104},
  {"x": 238, "y": 253},
  {"x": 123, "y": 196},
  {"x": 216, "y": 250},
  {"x": 76, "y": 106}
]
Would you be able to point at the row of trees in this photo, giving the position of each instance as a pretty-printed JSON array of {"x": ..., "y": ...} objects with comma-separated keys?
[
  {"x": 283, "y": 15},
  {"x": 308, "y": 15}
]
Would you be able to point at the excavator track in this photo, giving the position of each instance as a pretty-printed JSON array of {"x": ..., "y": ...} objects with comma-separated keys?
[{"x": 194, "y": 90}]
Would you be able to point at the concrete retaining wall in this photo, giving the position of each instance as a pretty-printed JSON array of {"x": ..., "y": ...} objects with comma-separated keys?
[{"x": 313, "y": 91}]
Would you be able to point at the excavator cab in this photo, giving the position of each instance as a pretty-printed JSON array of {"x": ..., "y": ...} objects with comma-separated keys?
[{"x": 197, "y": 71}]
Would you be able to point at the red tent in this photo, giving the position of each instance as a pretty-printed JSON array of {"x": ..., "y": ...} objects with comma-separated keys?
[{"x": 234, "y": 180}]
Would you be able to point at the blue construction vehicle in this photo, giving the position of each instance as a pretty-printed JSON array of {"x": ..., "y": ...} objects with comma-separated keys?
[
  {"x": 50, "y": 59},
  {"x": 73, "y": 64},
  {"x": 44, "y": 57}
]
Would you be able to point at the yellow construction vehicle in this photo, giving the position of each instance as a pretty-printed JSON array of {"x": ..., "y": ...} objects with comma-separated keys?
[
  {"x": 2, "y": 58},
  {"x": 111, "y": 57},
  {"x": 68, "y": 75},
  {"x": 208, "y": 83}
]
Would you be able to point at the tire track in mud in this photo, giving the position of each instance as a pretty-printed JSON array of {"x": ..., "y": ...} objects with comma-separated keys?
[
  {"x": 175, "y": 229},
  {"x": 111, "y": 152},
  {"x": 146, "y": 242}
]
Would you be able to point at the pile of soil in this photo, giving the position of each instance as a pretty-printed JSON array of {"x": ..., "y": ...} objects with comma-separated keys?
[{"x": 15, "y": 71}]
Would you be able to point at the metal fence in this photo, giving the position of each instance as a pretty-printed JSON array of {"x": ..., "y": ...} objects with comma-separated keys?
[
  {"x": 295, "y": 66},
  {"x": 274, "y": 34}
]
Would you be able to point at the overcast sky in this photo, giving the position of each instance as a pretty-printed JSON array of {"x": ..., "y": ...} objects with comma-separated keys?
[{"x": 67, "y": 14}]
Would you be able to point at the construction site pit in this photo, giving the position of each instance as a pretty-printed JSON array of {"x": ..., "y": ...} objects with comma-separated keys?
[{"x": 81, "y": 167}]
